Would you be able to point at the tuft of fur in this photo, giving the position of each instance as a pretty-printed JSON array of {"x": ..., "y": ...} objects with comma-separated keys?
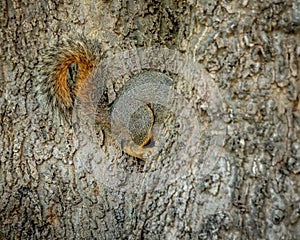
[{"x": 64, "y": 68}]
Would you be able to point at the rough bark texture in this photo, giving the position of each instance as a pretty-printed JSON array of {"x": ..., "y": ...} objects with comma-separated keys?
[{"x": 251, "y": 50}]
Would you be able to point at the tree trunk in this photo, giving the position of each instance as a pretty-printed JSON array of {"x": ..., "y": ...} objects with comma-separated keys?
[{"x": 230, "y": 163}]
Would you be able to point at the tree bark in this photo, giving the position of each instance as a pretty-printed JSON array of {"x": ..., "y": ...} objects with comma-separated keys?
[{"x": 230, "y": 164}]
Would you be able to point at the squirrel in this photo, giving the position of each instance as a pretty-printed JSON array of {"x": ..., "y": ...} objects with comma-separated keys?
[{"x": 65, "y": 69}]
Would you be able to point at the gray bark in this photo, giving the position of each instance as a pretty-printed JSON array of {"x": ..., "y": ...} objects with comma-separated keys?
[{"x": 236, "y": 176}]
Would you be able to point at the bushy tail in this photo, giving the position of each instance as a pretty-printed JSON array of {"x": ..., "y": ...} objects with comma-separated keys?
[{"x": 64, "y": 68}]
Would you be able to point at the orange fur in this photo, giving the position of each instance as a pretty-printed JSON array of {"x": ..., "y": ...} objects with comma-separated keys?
[{"x": 55, "y": 66}]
